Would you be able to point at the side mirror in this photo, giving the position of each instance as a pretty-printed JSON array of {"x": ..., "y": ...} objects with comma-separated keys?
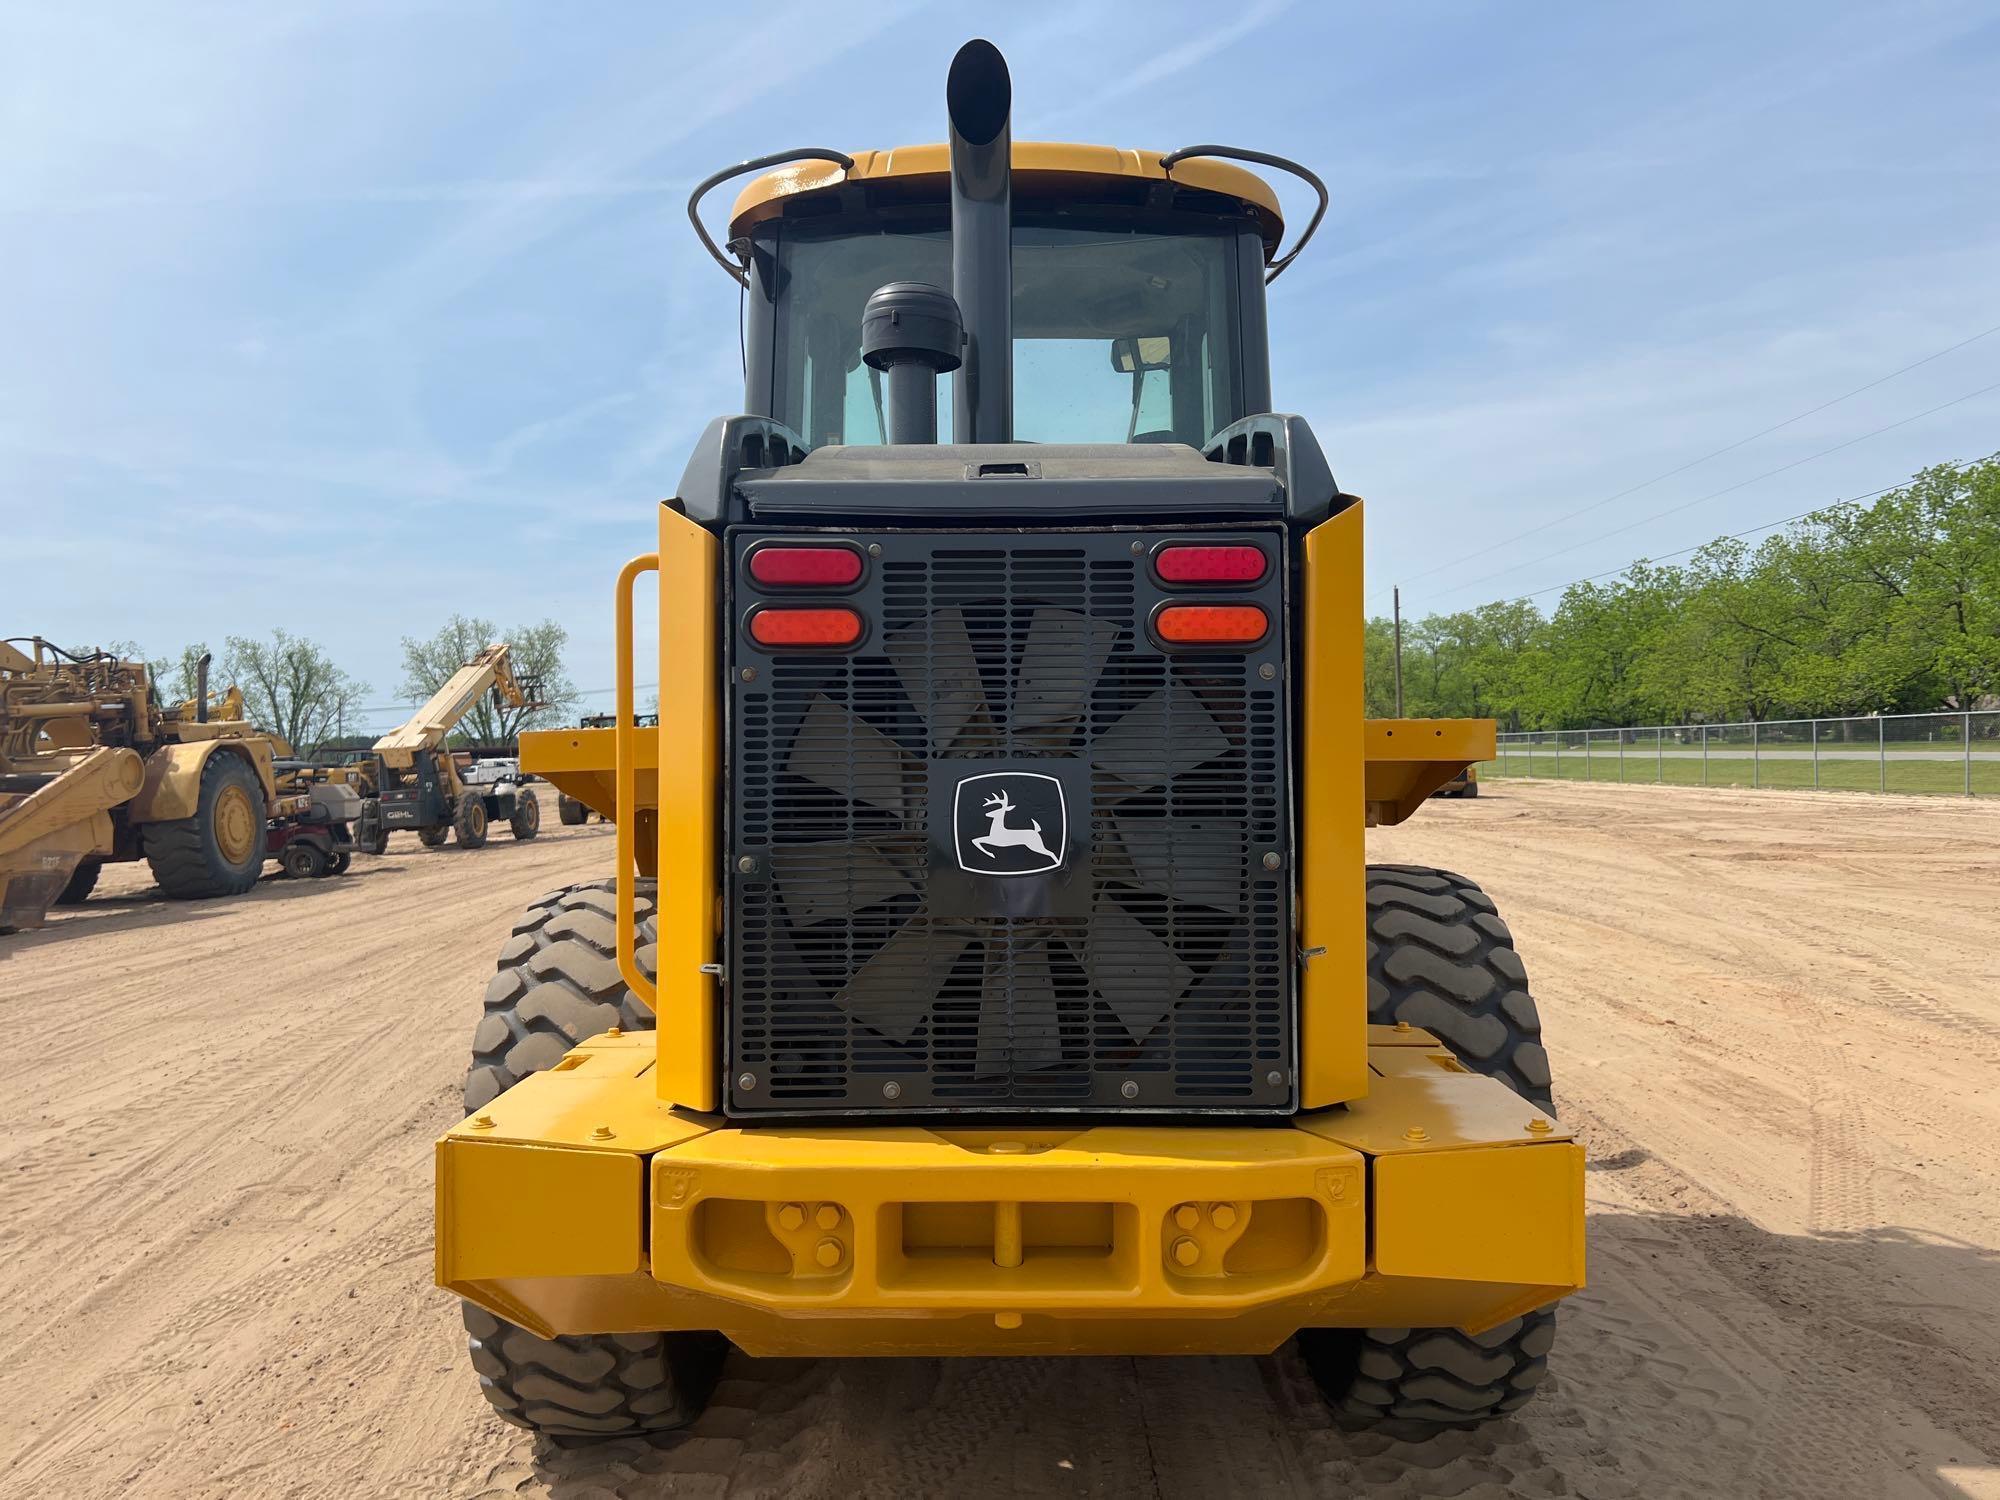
[{"x": 1134, "y": 356}]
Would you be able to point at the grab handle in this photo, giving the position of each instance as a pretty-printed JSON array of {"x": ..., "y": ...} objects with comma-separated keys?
[{"x": 625, "y": 795}]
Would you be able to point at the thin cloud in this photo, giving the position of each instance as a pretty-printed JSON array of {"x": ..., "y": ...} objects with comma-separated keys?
[
  {"x": 304, "y": 294},
  {"x": 1192, "y": 53}
]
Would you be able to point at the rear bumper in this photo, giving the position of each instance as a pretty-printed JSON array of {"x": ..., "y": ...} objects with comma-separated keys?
[{"x": 581, "y": 1204}]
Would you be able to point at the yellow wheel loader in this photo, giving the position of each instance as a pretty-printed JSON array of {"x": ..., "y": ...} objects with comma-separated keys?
[
  {"x": 991, "y": 965},
  {"x": 94, "y": 770}
]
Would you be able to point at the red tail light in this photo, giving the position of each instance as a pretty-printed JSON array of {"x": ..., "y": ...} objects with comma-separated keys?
[
  {"x": 805, "y": 627},
  {"x": 805, "y": 567},
  {"x": 1231, "y": 564},
  {"x": 1212, "y": 624}
]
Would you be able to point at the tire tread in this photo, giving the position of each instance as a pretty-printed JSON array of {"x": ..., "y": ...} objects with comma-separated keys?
[
  {"x": 176, "y": 849},
  {"x": 526, "y": 819},
  {"x": 557, "y": 983},
  {"x": 1441, "y": 958}
]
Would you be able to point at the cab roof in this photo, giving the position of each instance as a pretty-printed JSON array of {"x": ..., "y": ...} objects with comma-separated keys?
[{"x": 1048, "y": 169}]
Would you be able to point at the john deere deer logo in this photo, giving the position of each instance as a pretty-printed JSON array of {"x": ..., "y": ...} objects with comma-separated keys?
[
  {"x": 1000, "y": 836},
  {"x": 1026, "y": 823}
]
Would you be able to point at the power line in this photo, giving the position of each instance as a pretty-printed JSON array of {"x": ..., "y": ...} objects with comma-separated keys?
[
  {"x": 1696, "y": 547},
  {"x": 1732, "y": 536},
  {"x": 1697, "y": 462},
  {"x": 1717, "y": 494}
]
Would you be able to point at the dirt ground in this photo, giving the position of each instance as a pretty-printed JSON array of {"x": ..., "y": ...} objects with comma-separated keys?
[{"x": 1775, "y": 1016}]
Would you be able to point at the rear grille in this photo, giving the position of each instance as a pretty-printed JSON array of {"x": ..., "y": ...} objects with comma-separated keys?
[{"x": 883, "y": 958}]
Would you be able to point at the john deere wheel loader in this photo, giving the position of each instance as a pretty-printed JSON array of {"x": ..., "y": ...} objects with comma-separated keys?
[{"x": 991, "y": 966}]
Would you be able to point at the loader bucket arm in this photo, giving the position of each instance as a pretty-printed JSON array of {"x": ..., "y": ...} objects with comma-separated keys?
[
  {"x": 1408, "y": 759},
  {"x": 580, "y": 763}
]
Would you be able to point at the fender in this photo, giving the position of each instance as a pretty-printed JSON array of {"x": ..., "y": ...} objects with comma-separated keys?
[{"x": 173, "y": 777}]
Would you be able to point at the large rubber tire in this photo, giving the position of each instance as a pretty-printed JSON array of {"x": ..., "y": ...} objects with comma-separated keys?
[
  {"x": 431, "y": 838},
  {"x": 570, "y": 812},
  {"x": 188, "y": 855},
  {"x": 81, "y": 882},
  {"x": 469, "y": 823},
  {"x": 1430, "y": 1377},
  {"x": 1471, "y": 789},
  {"x": 592, "y": 1384},
  {"x": 557, "y": 983},
  {"x": 1439, "y": 957},
  {"x": 527, "y": 819}
]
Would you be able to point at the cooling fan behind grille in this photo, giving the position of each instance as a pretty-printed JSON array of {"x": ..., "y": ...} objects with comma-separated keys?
[{"x": 1167, "y": 868}]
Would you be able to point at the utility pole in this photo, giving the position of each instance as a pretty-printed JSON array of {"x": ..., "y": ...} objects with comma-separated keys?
[{"x": 1397, "y": 595}]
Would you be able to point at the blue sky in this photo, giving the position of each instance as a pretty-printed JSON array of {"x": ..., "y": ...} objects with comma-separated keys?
[{"x": 345, "y": 318}]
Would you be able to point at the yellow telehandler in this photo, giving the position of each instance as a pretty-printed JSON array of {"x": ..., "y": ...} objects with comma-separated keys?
[
  {"x": 414, "y": 781},
  {"x": 991, "y": 965}
]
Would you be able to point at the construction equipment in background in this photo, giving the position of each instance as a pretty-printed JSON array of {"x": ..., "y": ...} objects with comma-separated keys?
[
  {"x": 93, "y": 770},
  {"x": 414, "y": 780},
  {"x": 1464, "y": 784},
  {"x": 605, "y": 721},
  {"x": 995, "y": 879},
  {"x": 320, "y": 841},
  {"x": 576, "y": 811}
]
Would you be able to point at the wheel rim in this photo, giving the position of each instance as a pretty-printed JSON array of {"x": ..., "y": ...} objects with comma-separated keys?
[
  {"x": 478, "y": 819},
  {"x": 235, "y": 825}
]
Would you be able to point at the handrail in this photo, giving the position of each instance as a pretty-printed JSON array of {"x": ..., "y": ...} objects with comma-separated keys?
[
  {"x": 740, "y": 273},
  {"x": 625, "y": 784},
  {"x": 1262, "y": 159}
]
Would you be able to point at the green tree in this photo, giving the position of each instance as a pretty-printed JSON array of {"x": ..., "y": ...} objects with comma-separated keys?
[
  {"x": 536, "y": 653},
  {"x": 1378, "y": 668},
  {"x": 1890, "y": 607},
  {"x": 177, "y": 680},
  {"x": 1453, "y": 665},
  {"x": 293, "y": 689},
  {"x": 1933, "y": 553}
]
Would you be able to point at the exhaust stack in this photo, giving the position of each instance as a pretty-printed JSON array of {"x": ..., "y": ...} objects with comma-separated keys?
[
  {"x": 979, "y": 96},
  {"x": 201, "y": 689}
]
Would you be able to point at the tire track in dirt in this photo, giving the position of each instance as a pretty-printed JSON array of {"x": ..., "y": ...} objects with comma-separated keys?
[{"x": 232, "y": 1295}]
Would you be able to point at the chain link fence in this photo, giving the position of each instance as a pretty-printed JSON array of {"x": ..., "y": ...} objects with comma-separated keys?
[{"x": 1942, "y": 754}]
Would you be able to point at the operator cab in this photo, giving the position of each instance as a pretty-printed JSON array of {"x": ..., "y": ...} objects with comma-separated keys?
[
  {"x": 1104, "y": 305},
  {"x": 1138, "y": 298}
]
